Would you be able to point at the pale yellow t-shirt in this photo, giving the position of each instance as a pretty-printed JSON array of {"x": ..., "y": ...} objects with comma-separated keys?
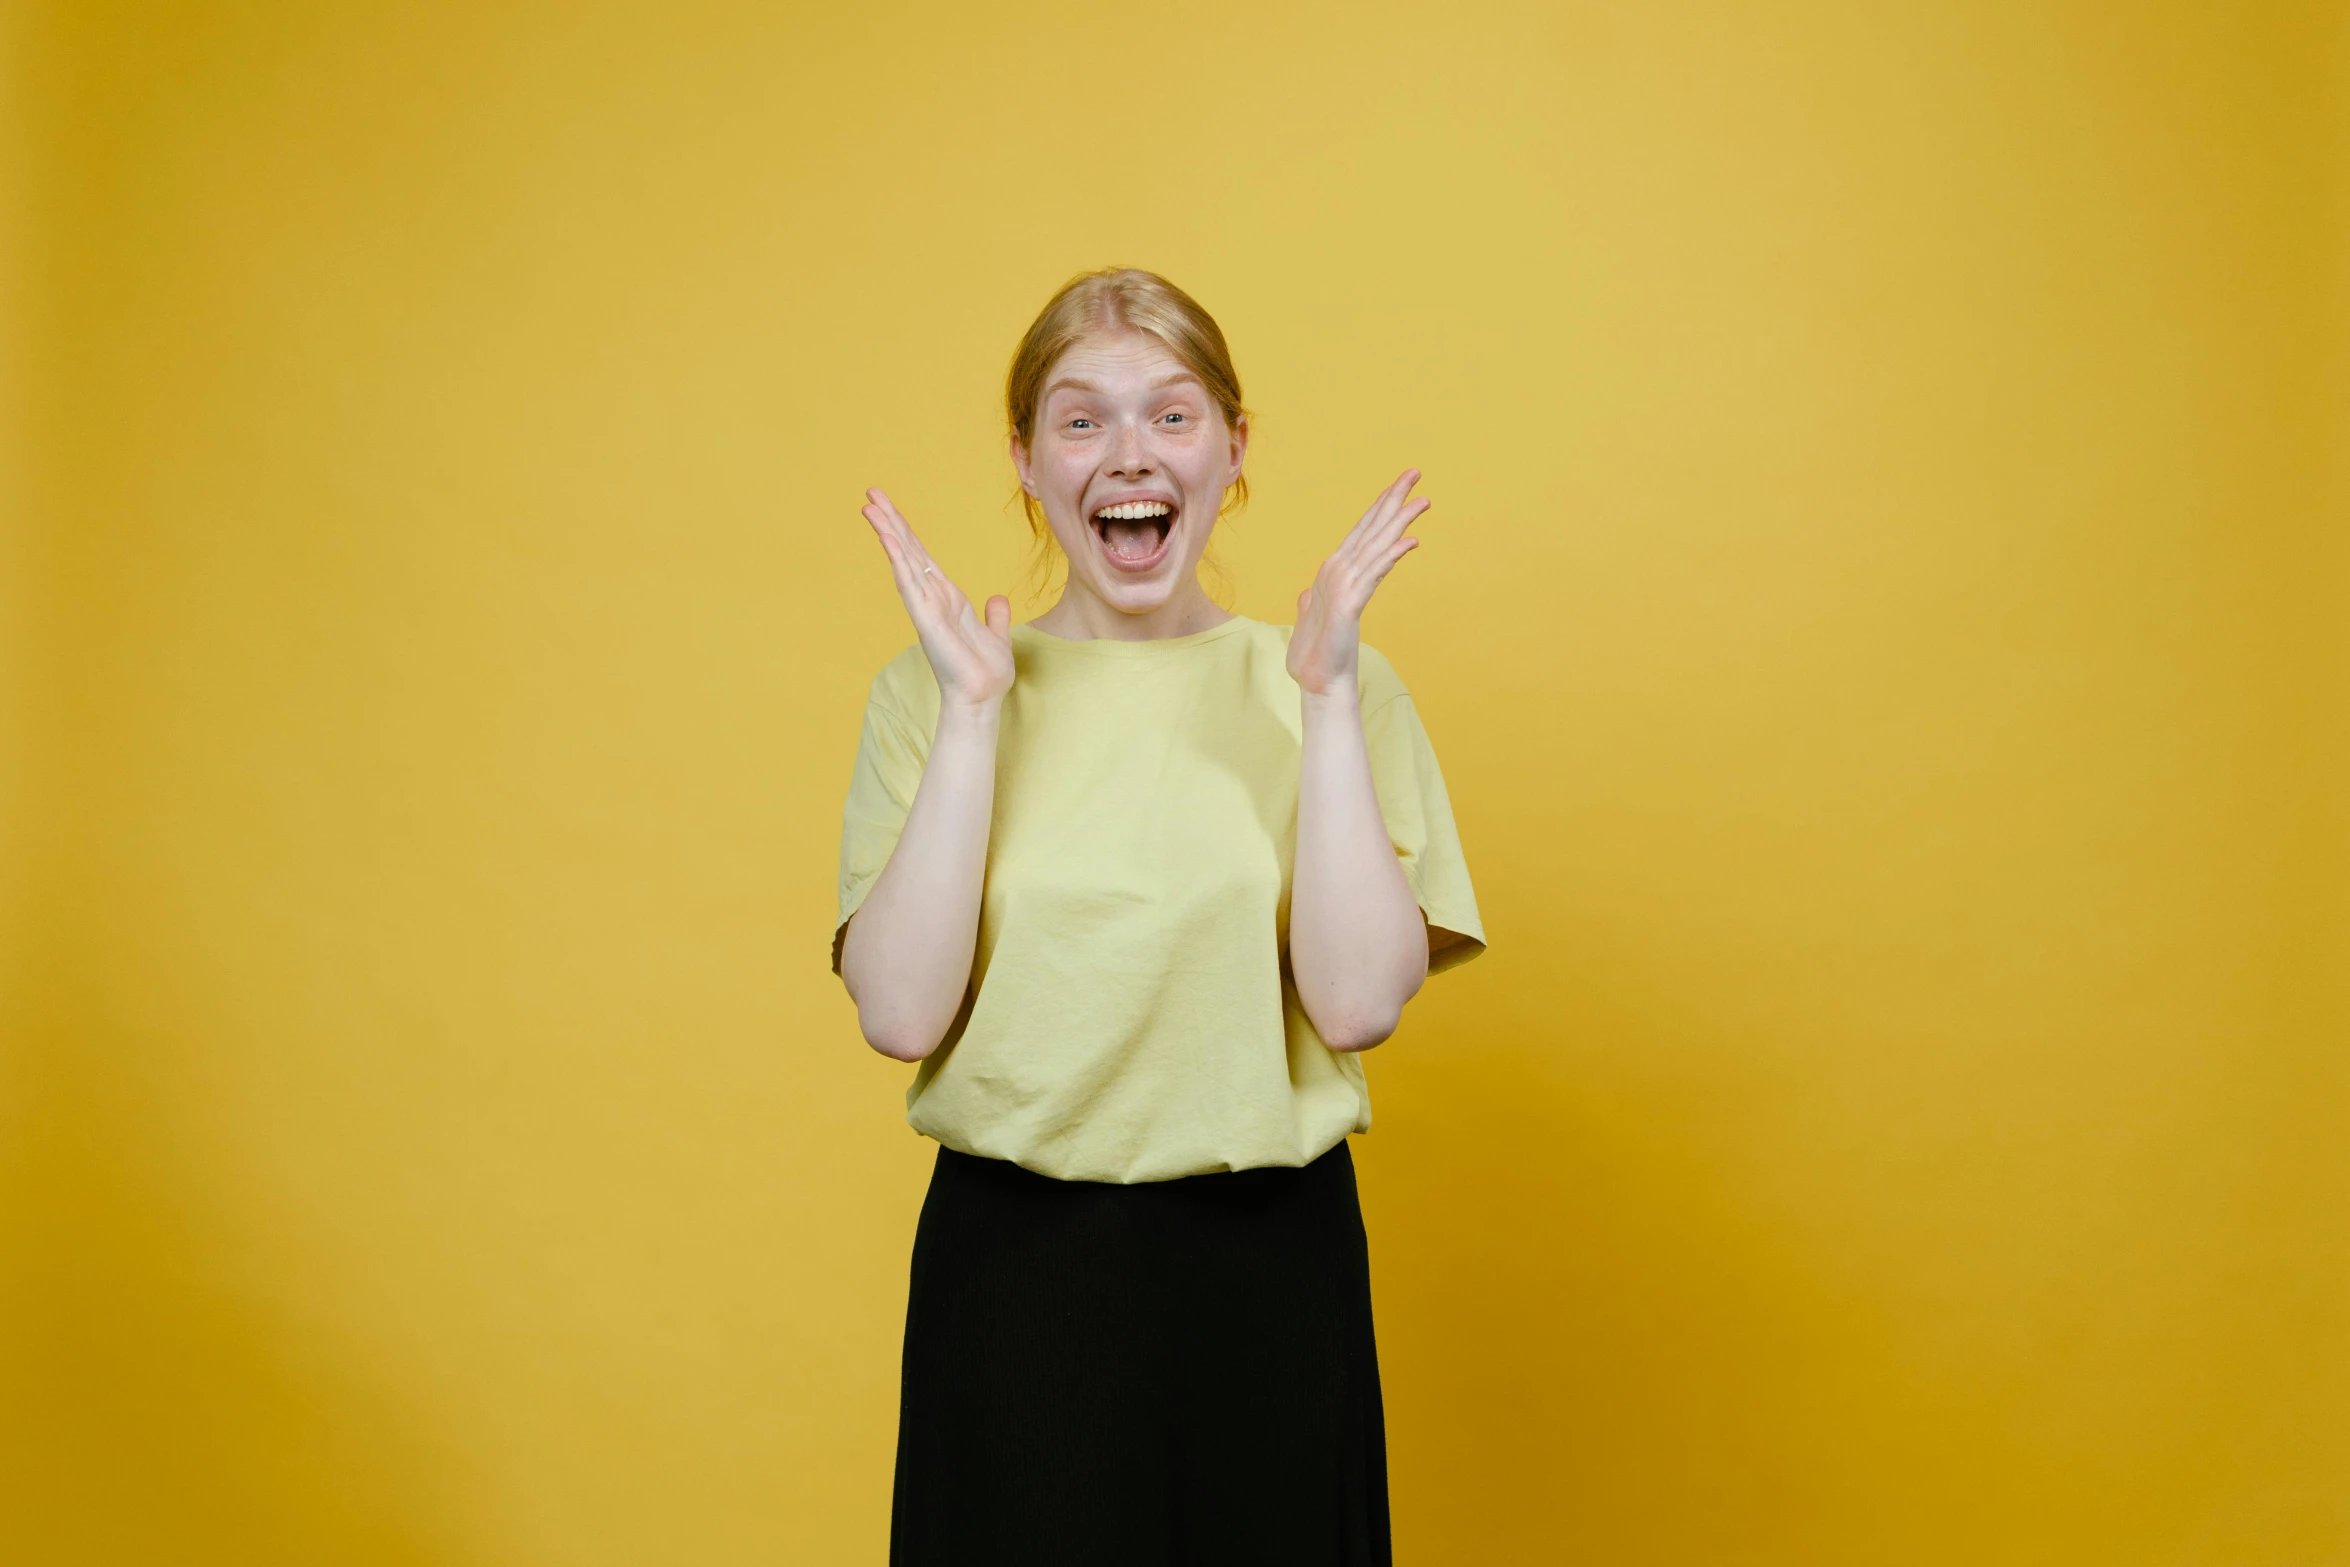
[{"x": 1131, "y": 1015}]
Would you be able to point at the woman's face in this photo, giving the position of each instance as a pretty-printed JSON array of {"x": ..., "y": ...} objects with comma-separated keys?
[{"x": 1130, "y": 458}]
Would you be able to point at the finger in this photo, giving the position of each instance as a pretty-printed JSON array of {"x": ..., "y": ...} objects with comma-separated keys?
[
  {"x": 1406, "y": 515},
  {"x": 913, "y": 587},
  {"x": 884, "y": 534},
  {"x": 922, "y": 586},
  {"x": 1397, "y": 508},
  {"x": 1377, "y": 520},
  {"x": 999, "y": 616},
  {"x": 894, "y": 538},
  {"x": 877, "y": 500},
  {"x": 1401, "y": 489},
  {"x": 1364, "y": 521},
  {"x": 1386, "y": 564},
  {"x": 941, "y": 593},
  {"x": 1370, "y": 514},
  {"x": 903, "y": 528},
  {"x": 926, "y": 582},
  {"x": 1403, "y": 516},
  {"x": 1353, "y": 593}
]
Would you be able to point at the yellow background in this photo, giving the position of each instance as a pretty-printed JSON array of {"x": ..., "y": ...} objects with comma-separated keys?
[{"x": 1883, "y": 621}]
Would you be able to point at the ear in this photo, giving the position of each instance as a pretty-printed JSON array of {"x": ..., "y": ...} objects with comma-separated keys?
[
  {"x": 1239, "y": 451},
  {"x": 1020, "y": 463}
]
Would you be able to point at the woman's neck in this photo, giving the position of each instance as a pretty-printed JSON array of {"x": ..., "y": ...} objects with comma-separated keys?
[{"x": 1082, "y": 616}]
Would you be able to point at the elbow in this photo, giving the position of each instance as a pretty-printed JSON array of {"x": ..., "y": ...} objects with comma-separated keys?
[
  {"x": 1350, "y": 1023},
  {"x": 899, "y": 1046},
  {"x": 1359, "y": 1031},
  {"x": 1355, "y": 996},
  {"x": 898, "y": 1038},
  {"x": 885, "y": 1022}
]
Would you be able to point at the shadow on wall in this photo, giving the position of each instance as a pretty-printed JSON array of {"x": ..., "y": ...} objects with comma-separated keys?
[{"x": 171, "y": 1408}]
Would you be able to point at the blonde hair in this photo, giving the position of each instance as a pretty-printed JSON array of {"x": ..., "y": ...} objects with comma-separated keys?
[{"x": 1114, "y": 299}]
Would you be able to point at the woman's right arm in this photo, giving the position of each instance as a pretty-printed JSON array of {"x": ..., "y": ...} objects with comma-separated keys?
[{"x": 906, "y": 956}]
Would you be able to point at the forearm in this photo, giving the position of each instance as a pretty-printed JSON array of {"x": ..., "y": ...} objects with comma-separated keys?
[
  {"x": 1358, "y": 944},
  {"x": 908, "y": 952}
]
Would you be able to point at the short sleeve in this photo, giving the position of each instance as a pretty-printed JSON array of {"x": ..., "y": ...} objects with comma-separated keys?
[
  {"x": 890, "y": 756},
  {"x": 1419, "y": 822}
]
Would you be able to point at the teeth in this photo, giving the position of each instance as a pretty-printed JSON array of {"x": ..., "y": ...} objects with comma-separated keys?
[{"x": 1134, "y": 511}]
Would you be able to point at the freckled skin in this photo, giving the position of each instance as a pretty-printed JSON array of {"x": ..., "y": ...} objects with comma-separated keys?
[{"x": 1119, "y": 415}]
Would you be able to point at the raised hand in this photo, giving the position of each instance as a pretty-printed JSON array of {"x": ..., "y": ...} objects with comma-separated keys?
[
  {"x": 1322, "y": 648},
  {"x": 972, "y": 658}
]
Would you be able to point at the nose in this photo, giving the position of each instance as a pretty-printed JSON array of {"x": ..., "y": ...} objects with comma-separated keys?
[{"x": 1128, "y": 458}]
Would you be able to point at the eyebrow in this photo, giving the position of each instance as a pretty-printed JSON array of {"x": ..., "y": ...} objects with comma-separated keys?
[{"x": 1074, "y": 384}]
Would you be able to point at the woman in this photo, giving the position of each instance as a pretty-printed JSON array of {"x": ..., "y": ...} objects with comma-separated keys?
[{"x": 1134, "y": 883}]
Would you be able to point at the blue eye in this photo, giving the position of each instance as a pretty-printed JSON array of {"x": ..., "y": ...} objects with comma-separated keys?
[
  {"x": 1079, "y": 424},
  {"x": 1175, "y": 416}
]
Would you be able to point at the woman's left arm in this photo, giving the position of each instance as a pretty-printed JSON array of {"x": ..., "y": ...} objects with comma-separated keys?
[{"x": 1358, "y": 944}]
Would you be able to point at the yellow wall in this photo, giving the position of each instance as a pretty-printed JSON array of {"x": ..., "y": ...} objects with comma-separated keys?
[{"x": 1882, "y": 620}]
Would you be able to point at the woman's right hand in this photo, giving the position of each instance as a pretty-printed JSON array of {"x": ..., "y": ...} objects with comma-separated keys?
[
  {"x": 971, "y": 658},
  {"x": 907, "y": 955}
]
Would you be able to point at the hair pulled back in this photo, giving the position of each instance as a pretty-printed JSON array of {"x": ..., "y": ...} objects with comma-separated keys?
[{"x": 1112, "y": 300}]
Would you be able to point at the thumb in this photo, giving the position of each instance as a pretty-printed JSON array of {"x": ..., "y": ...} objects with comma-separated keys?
[
  {"x": 999, "y": 615},
  {"x": 1305, "y": 603}
]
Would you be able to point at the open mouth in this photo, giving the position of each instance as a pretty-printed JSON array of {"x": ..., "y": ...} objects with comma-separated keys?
[{"x": 1134, "y": 533}]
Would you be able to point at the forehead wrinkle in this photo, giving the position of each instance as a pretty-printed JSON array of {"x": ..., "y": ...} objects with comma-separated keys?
[{"x": 1070, "y": 383}]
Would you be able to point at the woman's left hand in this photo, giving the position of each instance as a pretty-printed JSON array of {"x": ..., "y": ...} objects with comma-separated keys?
[{"x": 1330, "y": 613}]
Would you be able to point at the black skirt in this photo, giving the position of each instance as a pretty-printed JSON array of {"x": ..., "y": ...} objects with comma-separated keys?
[{"x": 1129, "y": 1376}]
